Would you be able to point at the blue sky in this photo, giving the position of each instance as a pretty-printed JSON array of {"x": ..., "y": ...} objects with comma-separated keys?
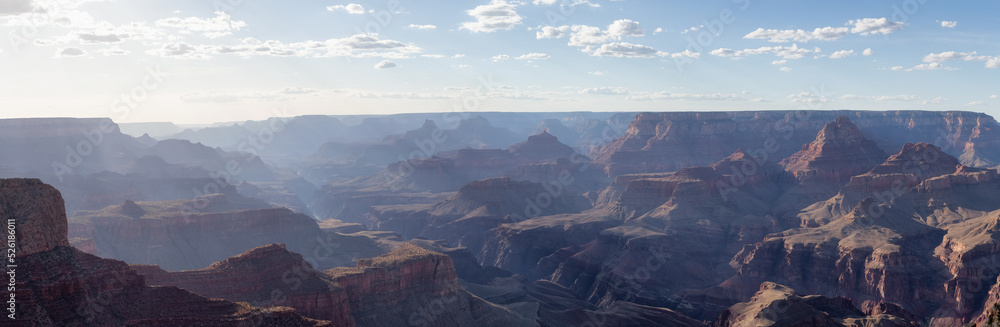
[{"x": 231, "y": 60}]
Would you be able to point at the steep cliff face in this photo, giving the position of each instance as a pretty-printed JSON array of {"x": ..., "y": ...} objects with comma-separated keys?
[
  {"x": 61, "y": 286},
  {"x": 663, "y": 142},
  {"x": 971, "y": 255},
  {"x": 265, "y": 276},
  {"x": 181, "y": 235},
  {"x": 929, "y": 248},
  {"x": 36, "y": 212},
  {"x": 777, "y": 305},
  {"x": 874, "y": 253},
  {"x": 414, "y": 286},
  {"x": 408, "y": 286}
]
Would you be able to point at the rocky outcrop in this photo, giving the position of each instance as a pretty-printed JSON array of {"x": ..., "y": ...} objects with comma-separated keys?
[
  {"x": 872, "y": 253},
  {"x": 266, "y": 276},
  {"x": 540, "y": 147},
  {"x": 777, "y": 305},
  {"x": 971, "y": 256},
  {"x": 668, "y": 141},
  {"x": 409, "y": 285},
  {"x": 35, "y": 212},
  {"x": 414, "y": 286},
  {"x": 60, "y": 286},
  {"x": 913, "y": 163},
  {"x": 839, "y": 152}
]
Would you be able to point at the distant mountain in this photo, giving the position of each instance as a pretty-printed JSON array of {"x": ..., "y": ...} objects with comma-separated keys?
[{"x": 668, "y": 141}]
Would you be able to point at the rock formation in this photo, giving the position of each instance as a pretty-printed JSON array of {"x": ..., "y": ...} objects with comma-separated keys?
[
  {"x": 839, "y": 152},
  {"x": 777, "y": 305},
  {"x": 901, "y": 171},
  {"x": 60, "y": 286},
  {"x": 408, "y": 286},
  {"x": 464, "y": 218},
  {"x": 668, "y": 141}
]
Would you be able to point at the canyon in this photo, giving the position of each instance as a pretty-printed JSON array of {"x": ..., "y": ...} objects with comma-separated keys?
[{"x": 753, "y": 218}]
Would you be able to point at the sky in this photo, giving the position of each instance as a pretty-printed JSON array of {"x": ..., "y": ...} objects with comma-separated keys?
[{"x": 208, "y": 61}]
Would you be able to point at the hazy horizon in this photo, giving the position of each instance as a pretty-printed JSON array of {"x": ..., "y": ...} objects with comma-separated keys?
[{"x": 231, "y": 60}]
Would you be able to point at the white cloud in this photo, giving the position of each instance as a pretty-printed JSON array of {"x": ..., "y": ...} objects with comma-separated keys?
[
  {"x": 71, "y": 52},
  {"x": 864, "y": 26},
  {"x": 91, "y": 37},
  {"x": 842, "y": 54},
  {"x": 549, "y": 32},
  {"x": 808, "y": 97},
  {"x": 991, "y": 62},
  {"x": 872, "y": 26},
  {"x": 605, "y": 91},
  {"x": 785, "y": 69},
  {"x": 180, "y": 50},
  {"x": 948, "y": 24},
  {"x": 357, "y": 46},
  {"x": 896, "y": 68},
  {"x": 779, "y": 62},
  {"x": 930, "y": 66},
  {"x": 567, "y": 3},
  {"x": 116, "y": 51},
  {"x": 218, "y": 26},
  {"x": 500, "y": 57},
  {"x": 975, "y": 103},
  {"x": 659, "y": 30},
  {"x": 792, "y": 52},
  {"x": 626, "y": 50},
  {"x": 422, "y": 27},
  {"x": 625, "y": 27},
  {"x": 600, "y": 73},
  {"x": 868, "y": 52},
  {"x": 993, "y": 96},
  {"x": 533, "y": 56},
  {"x": 772, "y": 35},
  {"x": 685, "y": 53},
  {"x": 937, "y": 100},
  {"x": 692, "y": 29},
  {"x": 589, "y": 36},
  {"x": 498, "y": 15},
  {"x": 353, "y": 8},
  {"x": 385, "y": 64},
  {"x": 664, "y": 95},
  {"x": 15, "y": 7},
  {"x": 948, "y": 55}
]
